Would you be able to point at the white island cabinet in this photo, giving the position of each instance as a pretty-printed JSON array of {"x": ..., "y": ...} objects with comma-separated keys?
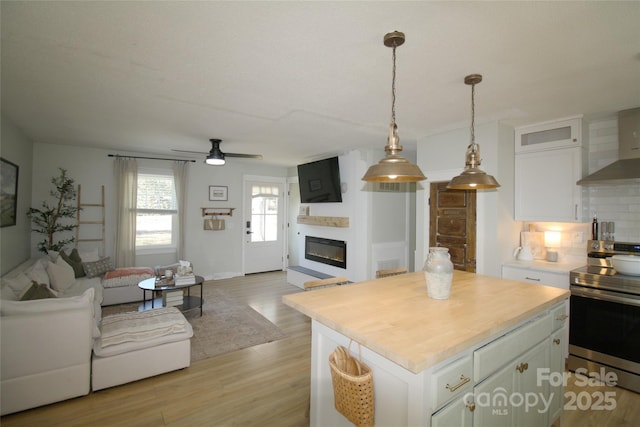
[{"x": 436, "y": 362}]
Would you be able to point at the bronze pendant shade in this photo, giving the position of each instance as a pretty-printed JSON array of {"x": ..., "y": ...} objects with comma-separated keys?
[
  {"x": 393, "y": 167},
  {"x": 472, "y": 177}
]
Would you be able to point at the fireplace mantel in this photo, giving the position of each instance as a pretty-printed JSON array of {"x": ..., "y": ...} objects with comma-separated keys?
[{"x": 325, "y": 221}]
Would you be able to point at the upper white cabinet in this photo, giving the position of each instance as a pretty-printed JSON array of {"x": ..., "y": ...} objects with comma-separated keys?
[
  {"x": 549, "y": 135},
  {"x": 548, "y": 161}
]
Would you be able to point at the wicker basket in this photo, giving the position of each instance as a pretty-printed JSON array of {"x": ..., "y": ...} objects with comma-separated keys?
[{"x": 352, "y": 387}]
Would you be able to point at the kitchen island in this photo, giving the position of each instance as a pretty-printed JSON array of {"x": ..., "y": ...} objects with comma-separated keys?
[{"x": 430, "y": 358}]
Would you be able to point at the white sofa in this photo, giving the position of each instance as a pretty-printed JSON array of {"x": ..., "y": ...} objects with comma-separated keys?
[{"x": 45, "y": 344}]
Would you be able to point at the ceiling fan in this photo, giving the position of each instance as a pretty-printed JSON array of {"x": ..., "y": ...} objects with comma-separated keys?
[{"x": 217, "y": 157}]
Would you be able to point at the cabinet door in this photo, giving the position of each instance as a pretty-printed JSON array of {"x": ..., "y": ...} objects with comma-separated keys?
[
  {"x": 534, "y": 409},
  {"x": 545, "y": 185},
  {"x": 492, "y": 399},
  {"x": 512, "y": 396},
  {"x": 457, "y": 413},
  {"x": 556, "y": 370},
  {"x": 549, "y": 135}
]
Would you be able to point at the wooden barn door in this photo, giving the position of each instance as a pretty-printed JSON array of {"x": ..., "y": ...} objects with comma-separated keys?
[{"x": 453, "y": 224}]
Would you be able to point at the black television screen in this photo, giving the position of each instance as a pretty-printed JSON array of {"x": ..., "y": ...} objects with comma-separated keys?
[{"x": 320, "y": 181}]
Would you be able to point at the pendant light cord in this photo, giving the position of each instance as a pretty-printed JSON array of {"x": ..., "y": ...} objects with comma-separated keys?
[
  {"x": 393, "y": 87},
  {"x": 473, "y": 113}
]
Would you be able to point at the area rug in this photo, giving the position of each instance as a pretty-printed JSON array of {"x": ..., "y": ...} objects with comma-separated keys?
[{"x": 226, "y": 325}]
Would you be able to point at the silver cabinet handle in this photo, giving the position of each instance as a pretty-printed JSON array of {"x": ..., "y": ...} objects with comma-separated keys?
[
  {"x": 532, "y": 278},
  {"x": 562, "y": 317}
]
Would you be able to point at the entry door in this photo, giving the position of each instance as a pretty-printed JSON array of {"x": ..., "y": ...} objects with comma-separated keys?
[
  {"x": 264, "y": 226},
  {"x": 453, "y": 224}
]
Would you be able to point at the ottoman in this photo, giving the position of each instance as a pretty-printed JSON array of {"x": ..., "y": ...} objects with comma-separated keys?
[{"x": 138, "y": 345}]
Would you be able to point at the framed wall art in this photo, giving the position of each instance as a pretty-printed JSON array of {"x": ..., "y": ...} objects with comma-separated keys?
[
  {"x": 9, "y": 194},
  {"x": 218, "y": 193}
]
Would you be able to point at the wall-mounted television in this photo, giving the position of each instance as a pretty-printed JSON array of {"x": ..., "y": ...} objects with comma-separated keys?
[{"x": 320, "y": 181}]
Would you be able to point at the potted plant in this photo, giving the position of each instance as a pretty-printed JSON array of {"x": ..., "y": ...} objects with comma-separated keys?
[{"x": 49, "y": 220}]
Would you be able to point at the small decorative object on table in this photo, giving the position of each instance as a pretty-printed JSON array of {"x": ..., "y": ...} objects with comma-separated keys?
[
  {"x": 438, "y": 272},
  {"x": 184, "y": 275}
]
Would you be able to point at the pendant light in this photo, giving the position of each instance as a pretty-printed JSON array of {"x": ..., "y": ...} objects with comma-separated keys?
[
  {"x": 393, "y": 167},
  {"x": 472, "y": 178}
]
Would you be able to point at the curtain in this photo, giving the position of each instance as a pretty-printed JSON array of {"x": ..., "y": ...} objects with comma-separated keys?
[
  {"x": 180, "y": 178},
  {"x": 126, "y": 170}
]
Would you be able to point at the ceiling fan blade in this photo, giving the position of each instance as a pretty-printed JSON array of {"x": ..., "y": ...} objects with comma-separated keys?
[
  {"x": 245, "y": 156},
  {"x": 216, "y": 152},
  {"x": 188, "y": 151}
]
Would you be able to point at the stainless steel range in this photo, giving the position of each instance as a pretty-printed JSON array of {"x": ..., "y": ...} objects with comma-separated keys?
[{"x": 604, "y": 327}]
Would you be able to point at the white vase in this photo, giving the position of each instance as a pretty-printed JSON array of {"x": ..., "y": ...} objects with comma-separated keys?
[{"x": 438, "y": 272}]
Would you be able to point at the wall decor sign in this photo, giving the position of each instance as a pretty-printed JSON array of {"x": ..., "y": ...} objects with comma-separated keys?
[
  {"x": 8, "y": 192},
  {"x": 217, "y": 192}
]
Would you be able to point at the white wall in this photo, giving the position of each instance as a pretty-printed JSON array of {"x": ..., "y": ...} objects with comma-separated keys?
[
  {"x": 214, "y": 254},
  {"x": 15, "y": 239},
  {"x": 441, "y": 157},
  {"x": 355, "y": 206}
]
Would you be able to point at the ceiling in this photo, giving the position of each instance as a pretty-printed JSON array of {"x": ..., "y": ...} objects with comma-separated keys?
[{"x": 296, "y": 81}]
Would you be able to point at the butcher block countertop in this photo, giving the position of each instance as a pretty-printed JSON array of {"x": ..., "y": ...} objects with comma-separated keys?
[{"x": 394, "y": 317}]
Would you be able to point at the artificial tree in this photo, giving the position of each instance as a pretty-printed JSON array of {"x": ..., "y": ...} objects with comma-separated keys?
[{"x": 50, "y": 220}]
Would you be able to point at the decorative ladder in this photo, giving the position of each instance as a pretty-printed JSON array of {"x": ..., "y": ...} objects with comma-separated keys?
[{"x": 100, "y": 222}]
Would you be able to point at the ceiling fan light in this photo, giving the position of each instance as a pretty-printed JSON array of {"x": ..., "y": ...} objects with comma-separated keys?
[{"x": 215, "y": 160}]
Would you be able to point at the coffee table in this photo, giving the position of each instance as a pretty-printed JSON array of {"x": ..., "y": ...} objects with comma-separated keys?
[{"x": 189, "y": 301}]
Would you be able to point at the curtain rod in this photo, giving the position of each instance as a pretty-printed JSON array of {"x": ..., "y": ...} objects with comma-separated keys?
[{"x": 151, "y": 158}]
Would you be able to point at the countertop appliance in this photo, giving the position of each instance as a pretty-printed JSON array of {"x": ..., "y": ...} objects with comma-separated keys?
[{"x": 604, "y": 321}]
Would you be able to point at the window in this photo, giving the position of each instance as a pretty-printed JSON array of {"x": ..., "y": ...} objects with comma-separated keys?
[
  {"x": 264, "y": 213},
  {"x": 156, "y": 211}
]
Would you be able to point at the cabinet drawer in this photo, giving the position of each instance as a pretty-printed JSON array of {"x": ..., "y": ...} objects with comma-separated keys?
[
  {"x": 560, "y": 316},
  {"x": 557, "y": 280},
  {"x": 451, "y": 381},
  {"x": 491, "y": 357}
]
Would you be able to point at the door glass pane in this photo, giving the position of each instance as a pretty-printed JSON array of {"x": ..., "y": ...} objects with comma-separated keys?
[{"x": 264, "y": 213}]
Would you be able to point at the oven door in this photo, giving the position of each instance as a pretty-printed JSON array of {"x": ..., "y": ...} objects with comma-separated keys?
[{"x": 605, "y": 322}]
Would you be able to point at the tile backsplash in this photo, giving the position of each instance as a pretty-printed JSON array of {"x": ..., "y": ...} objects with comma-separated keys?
[{"x": 620, "y": 202}]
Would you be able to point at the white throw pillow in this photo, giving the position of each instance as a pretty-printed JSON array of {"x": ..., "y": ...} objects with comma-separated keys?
[
  {"x": 90, "y": 255},
  {"x": 38, "y": 271},
  {"x": 61, "y": 274}
]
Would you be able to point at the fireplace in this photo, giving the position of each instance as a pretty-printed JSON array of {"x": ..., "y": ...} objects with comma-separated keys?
[{"x": 326, "y": 251}]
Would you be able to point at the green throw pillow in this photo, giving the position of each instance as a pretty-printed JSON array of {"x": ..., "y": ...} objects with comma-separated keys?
[
  {"x": 37, "y": 291},
  {"x": 74, "y": 261},
  {"x": 97, "y": 268}
]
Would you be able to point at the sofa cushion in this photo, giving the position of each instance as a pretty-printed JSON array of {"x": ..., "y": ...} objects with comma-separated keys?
[
  {"x": 141, "y": 328},
  {"x": 97, "y": 268},
  {"x": 17, "y": 284},
  {"x": 61, "y": 275},
  {"x": 74, "y": 260},
  {"x": 15, "y": 308},
  {"x": 37, "y": 291}
]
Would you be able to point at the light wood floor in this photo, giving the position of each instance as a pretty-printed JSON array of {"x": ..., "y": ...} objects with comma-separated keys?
[{"x": 265, "y": 385}]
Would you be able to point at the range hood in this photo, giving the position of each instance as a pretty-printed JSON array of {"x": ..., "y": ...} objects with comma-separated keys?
[{"x": 627, "y": 169}]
